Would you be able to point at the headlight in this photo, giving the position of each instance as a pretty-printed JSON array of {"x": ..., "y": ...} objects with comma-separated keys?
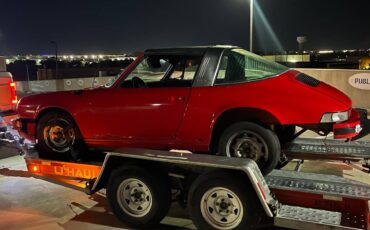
[{"x": 335, "y": 117}]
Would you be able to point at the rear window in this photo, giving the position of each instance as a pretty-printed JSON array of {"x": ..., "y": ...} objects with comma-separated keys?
[{"x": 239, "y": 66}]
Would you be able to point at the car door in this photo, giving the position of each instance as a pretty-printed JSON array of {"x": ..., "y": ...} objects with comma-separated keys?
[{"x": 145, "y": 112}]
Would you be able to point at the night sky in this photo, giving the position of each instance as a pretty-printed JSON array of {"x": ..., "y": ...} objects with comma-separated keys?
[{"x": 118, "y": 26}]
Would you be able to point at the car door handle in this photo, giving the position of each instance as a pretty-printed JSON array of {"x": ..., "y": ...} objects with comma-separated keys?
[
  {"x": 180, "y": 98},
  {"x": 177, "y": 98}
]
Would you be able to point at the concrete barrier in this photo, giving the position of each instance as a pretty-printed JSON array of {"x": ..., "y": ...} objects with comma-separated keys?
[
  {"x": 60, "y": 85},
  {"x": 339, "y": 78}
]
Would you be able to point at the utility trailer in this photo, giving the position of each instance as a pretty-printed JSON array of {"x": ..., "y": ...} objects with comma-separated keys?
[{"x": 220, "y": 192}]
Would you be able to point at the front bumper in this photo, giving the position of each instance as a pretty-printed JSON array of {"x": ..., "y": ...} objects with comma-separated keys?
[{"x": 354, "y": 128}]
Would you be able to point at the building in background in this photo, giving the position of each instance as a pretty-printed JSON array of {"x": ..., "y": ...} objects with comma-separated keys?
[
  {"x": 324, "y": 59},
  {"x": 364, "y": 63}
]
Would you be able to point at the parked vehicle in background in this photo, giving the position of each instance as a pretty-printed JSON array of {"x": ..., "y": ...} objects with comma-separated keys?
[
  {"x": 217, "y": 100},
  {"x": 8, "y": 95}
]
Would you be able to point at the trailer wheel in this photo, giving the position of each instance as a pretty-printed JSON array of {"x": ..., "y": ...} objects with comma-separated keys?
[
  {"x": 219, "y": 201},
  {"x": 138, "y": 197},
  {"x": 249, "y": 140}
]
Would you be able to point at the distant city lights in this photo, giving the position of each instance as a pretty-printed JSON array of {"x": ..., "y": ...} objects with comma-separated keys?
[{"x": 326, "y": 51}]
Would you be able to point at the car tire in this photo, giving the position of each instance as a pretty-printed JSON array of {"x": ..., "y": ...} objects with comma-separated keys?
[
  {"x": 139, "y": 197},
  {"x": 285, "y": 134},
  {"x": 217, "y": 201},
  {"x": 249, "y": 140},
  {"x": 58, "y": 137}
]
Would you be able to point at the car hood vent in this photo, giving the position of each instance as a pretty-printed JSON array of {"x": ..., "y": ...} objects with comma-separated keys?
[{"x": 307, "y": 80}]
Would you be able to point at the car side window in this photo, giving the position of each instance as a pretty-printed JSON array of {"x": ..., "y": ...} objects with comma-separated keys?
[
  {"x": 149, "y": 71},
  {"x": 222, "y": 70},
  {"x": 157, "y": 71},
  {"x": 239, "y": 66},
  {"x": 232, "y": 69},
  {"x": 184, "y": 72}
]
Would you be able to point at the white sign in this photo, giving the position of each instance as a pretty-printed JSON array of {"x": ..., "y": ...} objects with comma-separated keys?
[{"x": 360, "y": 81}]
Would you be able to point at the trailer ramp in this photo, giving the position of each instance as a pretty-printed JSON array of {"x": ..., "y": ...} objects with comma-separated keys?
[
  {"x": 312, "y": 200},
  {"x": 310, "y": 148}
]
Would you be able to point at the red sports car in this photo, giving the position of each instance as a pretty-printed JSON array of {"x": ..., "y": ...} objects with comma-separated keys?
[{"x": 217, "y": 100}]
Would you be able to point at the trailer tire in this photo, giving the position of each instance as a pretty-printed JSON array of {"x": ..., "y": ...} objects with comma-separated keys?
[
  {"x": 214, "y": 195},
  {"x": 251, "y": 141},
  {"x": 139, "y": 197}
]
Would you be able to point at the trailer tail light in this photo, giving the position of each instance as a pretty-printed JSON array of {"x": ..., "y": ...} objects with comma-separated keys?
[
  {"x": 13, "y": 93},
  {"x": 34, "y": 168}
]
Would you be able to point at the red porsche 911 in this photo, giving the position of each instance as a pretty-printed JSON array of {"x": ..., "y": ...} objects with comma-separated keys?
[{"x": 217, "y": 100}]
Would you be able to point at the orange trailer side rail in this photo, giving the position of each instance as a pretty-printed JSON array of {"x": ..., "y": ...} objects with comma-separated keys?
[{"x": 75, "y": 175}]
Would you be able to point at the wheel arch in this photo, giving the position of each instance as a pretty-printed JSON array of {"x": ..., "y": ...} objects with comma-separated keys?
[
  {"x": 231, "y": 116},
  {"x": 115, "y": 163},
  {"x": 46, "y": 110}
]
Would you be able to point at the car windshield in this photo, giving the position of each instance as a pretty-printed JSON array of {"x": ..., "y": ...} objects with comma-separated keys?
[
  {"x": 242, "y": 66},
  {"x": 112, "y": 80}
]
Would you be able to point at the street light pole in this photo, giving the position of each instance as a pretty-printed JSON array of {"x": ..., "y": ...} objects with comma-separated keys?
[
  {"x": 251, "y": 26},
  {"x": 56, "y": 58}
]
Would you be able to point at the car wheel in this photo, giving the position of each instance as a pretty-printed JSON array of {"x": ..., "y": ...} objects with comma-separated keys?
[
  {"x": 249, "y": 140},
  {"x": 217, "y": 201},
  {"x": 139, "y": 197},
  {"x": 58, "y": 137}
]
